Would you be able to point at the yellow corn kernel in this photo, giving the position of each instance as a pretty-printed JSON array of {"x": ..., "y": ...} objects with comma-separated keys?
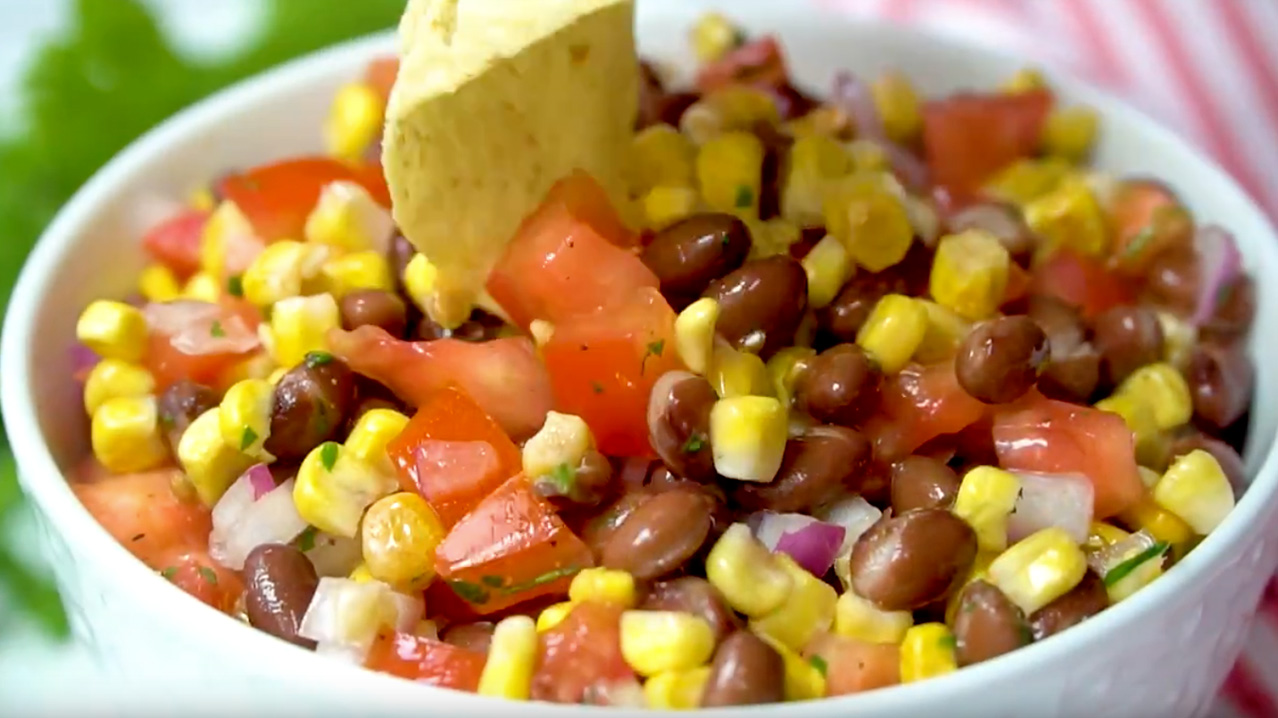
[
  {"x": 898, "y": 105},
  {"x": 227, "y": 221},
  {"x": 694, "y": 333},
  {"x": 1102, "y": 534},
  {"x": 785, "y": 367},
  {"x": 1197, "y": 490},
  {"x": 945, "y": 332},
  {"x": 985, "y": 499},
  {"x": 654, "y": 642},
  {"x": 370, "y": 435},
  {"x": 1139, "y": 415},
  {"x": 1146, "y": 515},
  {"x": 1134, "y": 566},
  {"x": 855, "y": 617},
  {"x": 353, "y": 122},
  {"x": 111, "y": 379},
  {"x": 210, "y": 463},
  {"x": 277, "y": 374},
  {"x": 355, "y": 271},
  {"x": 553, "y": 615},
  {"x": 666, "y": 204},
  {"x": 1070, "y": 132},
  {"x": 749, "y": 576},
  {"x": 1161, "y": 387},
  {"x": 730, "y": 172},
  {"x": 868, "y": 156},
  {"x": 512, "y": 657},
  {"x": 1039, "y": 569},
  {"x": 399, "y": 535},
  {"x": 893, "y": 331},
  {"x": 807, "y": 610},
  {"x": 827, "y": 120},
  {"x": 158, "y": 283},
  {"x": 126, "y": 434},
  {"x": 676, "y": 690},
  {"x": 969, "y": 274},
  {"x": 542, "y": 332},
  {"x": 113, "y": 330},
  {"x": 1026, "y": 180},
  {"x": 202, "y": 287},
  {"x": 563, "y": 439},
  {"x": 747, "y": 436},
  {"x": 245, "y": 416},
  {"x": 299, "y": 325},
  {"x": 980, "y": 571},
  {"x": 814, "y": 160},
  {"x": 927, "y": 651},
  {"x": 334, "y": 488},
  {"x": 803, "y": 681},
  {"x": 284, "y": 269},
  {"x": 419, "y": 281},
  {"x": 1179, "y": 339},
  {"x": 661, "y": 157},
  {"x": 738, "y": 373},
  {"x": 1069, "y": 217},
  {"x": 828, "y": 266},
  {"x": 772, "y": 237},
  {"x": 347, "y": 217},
  {"x": 742, "y": 107},
  {"x": 201, "y": 199},
  {"x": 1148, "y": 476},
  {"x": 1025, "y": 80},
  {"x": 361, "y": 574},
  {"x": 870, "y": 219},
  {"x": 603, "y": 585},
  {"x": 713, "y": 36}
]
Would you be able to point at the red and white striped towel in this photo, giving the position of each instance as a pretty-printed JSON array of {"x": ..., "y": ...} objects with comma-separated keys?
[{"x": 1207, "y": 68}]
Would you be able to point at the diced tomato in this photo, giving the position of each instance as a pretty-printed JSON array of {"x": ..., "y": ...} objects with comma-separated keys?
[
  {"x": 175, "y": 242},
  {"x": 381, "y": 74},
  {"x": 194, "y": 571},
  {"x": 141, "y": 512},
  {"x": 603, "y": 365},
  {"x": 917, "y": 405},
  {"x": 277, "y": 198},
  {"x": 1056, "y": 437},
  {"x": 1146, "y": 219},
  {"x": 581, "y": 656},
  {"x": 453, "y": 454},
  {"x": 759, "y": 63},
  {"x": 511, "y": 548},
  {"x": 968, "y": 137},
  {"x": 503, "y": 376},
  {"x": 426, "y": 661},
  {"x": 852, "y": 666},
  {"x": 1081, "y": 282}
]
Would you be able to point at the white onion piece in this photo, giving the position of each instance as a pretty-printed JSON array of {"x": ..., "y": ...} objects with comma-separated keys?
[
  {"x": 270, "y": 519},
  {"x": 1046, "y": 500},
  {"x": 229, "y": 509},
  {"x": 172, "y": 317},
  {"x": 1103, "y": 560},
  {"x": 1218, "y": 265},
  {"x": 623, "y": 693},
  {"x": 334, "y": 555},
  {"x": 345, "y": 616},
  {"x": 854, "y": 514},
  {"x": 907, "y": 166},
  {"x": 200, "y": 328},
  {"x": 924, "y": 219},
  {"x": 853, "y": 95},
  {"x": 772, "y": 526},
  {"x": 1000, "y": 220}
]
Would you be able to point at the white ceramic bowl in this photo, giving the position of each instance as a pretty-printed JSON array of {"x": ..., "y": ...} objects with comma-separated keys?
[{"x": 1164, "y": 652}]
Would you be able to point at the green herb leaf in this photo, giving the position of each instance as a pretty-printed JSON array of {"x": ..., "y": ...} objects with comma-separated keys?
[
  {"x": 1139, "y": 243},
  {"x": 819, "y": 663},
  {"x": 657, "y": 347},
  {"x": 314, "y": 359},
  {"x": 248, "y": 438},
  {"x": 328, "y": 455},
  {"x": 208, "y": 575},
  {"x": 470, "y": 592},
  {"x": 169, "y": 572},
  {"x": 596, "y": 387},
  {"x": 564, "y": 478},
  {"x": 216, "y": 330},
  {"x": 492, "y": 581},
  {"x": 306, "y": 539},
  {"x": 949, "y": 642},
  {"x": 694, "y": 444},
  {"x": 745, "y": 197},
  {"x": 235, "y": 286},
  {"x": 1124, "y": 569},
  {"x": 545, "y": 578}
]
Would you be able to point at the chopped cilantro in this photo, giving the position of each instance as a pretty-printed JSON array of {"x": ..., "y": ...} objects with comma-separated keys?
[
  {"x": 819, "y": 663},
  {"x": 328, "y": 454},
  {"x": 492, "y": 581},
  {"x": 596, "y": 387},
  {"x": 314, "y": 359},
  {"x": 247, "y": 439},
  {"x": 235, "y": 286},
  {"x": 694, "y": 444},
  {"x": 545, "y": 578},
  {"x": 564, "y": 478},
  {"x": 208, "y": 575},
  {"x": 169, "y": 572},
  {"x": 1139, "y": 243},
  {"x": 745, "y": 197},
  {"x": 948, "y": 642},
  {"x": 1124, "y": 569},
  {"x": 216, "y": 330},
  {"x": 654, "y": 349},
  {"x": 306, "y": 539},
  {"x": 470, "y": 592}
]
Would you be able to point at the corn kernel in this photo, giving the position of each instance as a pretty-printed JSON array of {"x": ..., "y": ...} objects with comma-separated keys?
[
  {"x": 334, "y": 488},
  {"x": 353, "y": 122},
  {"x": 542, "y": 332},
  {"x": 356, "y": 271},
  {"x": 361, "y": 574},
  {"x": 772, "y": 237},
  {"x": 1139, "y": 416},
  {"x": 969, "y": 274},
  {"x": 284, "y": 269},
  {"x": 399, "y": 535},
  {"x": 512, "y": 657},
  {"x": 1070, "y": 132},
  {"x": 202, "y": 287},
  {"x": 245, "y": 416},
  {"x": 738, "y": 373},
  {"x": 1197, "y": 490},
  {"x": 158, "y": 283},
  {"x": 803, "y": 681},
  {"x": 813, "y": 162},
  {"x": 785, "y": 367},
  {"x": 927, "y": 651},
  {"x": 201, "y": 199},
  {"x": 210, "y": 463},
  {"x": 126, "y": 435},
  {"x": 1146, "y": 515},
  {"x": 742, "y": 107},
  {"x": 868, "y": 156},
  {"x": 676, "y": 690},
  {"x": 855, "y": 617},
  {"x": 654, "y": 642},
  {"x": 828, "y": 266},
  {"x": 347, "y": 217},
  {"x": 111, "y": 379},
  {"x": 806, "y": 611},
  {"x": 1102, "y": 534},
  {"x": 893, "y": 331},
  {"x": 694, "y": 333},
  {"x": 113, "y": 330},
  {"x": 666, "y": 204},
  {"x": 603, "y": 585},
  {"x": 1039, "y": 569},
  {"x": 898, "y": 106},
  {"x": 985, "y": 499},
  {"x": 370, "y": 435},
  {"x": 661, "y": 157},
  {"x": 562, "y": 439},
  {"x": 1025, "y": 80},
  {"x": 227, "y": 224},
  {"x": 748, "y": 436},
  {"x": 1179, "y": 339},
  {"x": 1164, "y": 390},
  {"x": 945, "y": 332},
  {"x": 1026, "y": 180},
  {"x": 277, "y": 374},
  {"x": 827, "y": 120},
  {"x": 730, "y": 173},
  {"x": 1069, "y": 217},
  {"x": 419, "y": 281},
  {"x": 713, "y": 36},
  {"x": 299, "y": 326},
  {"x": 749, "y": 576},
  {"x": 871, "y": 221},
  {"x": 553, "y": 615}
]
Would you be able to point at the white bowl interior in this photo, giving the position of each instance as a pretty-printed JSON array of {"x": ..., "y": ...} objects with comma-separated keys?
[{"x": 91, "y": 251}]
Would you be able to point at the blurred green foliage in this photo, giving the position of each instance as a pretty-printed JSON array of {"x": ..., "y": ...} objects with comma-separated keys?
[{"x": 90, "y": 92}]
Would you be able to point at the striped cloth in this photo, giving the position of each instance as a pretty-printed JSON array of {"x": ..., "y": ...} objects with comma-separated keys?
[{"x": 1208, "y": 69}]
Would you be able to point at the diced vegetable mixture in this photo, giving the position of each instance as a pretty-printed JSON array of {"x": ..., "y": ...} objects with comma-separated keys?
[{"x": 890, "y": 386}]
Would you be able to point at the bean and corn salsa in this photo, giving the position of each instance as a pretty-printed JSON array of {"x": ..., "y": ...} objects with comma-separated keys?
[{"x": 884, "y": 386}]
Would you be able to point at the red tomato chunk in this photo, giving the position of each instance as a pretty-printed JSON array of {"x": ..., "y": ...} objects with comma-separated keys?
[
  {"x": 968, "y": 137},
  {"x": 426, "y": 661},
  {"x": 579, "y": 658}
]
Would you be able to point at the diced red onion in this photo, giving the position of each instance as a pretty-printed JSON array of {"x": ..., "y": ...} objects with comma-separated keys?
[
  {"x": 242, "y": 521},
  {"x": 200, "y": 328},
  {"x": 769, "y": 526},
  {"x": 854, "y": 514},
  {"x": 1047, "y": 500},
  {"x": 259, "y": 477},
  {"x": 907, "y": 166},
  {"x": 1218, "y": 265},
  {"x": 814, "y": 547},
  {"x": 172, "y": 317},
  {"x": 853, "y": 95}
]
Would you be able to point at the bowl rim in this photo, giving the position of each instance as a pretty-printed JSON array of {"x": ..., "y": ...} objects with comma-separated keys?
[{"x": 37, "y": 467}]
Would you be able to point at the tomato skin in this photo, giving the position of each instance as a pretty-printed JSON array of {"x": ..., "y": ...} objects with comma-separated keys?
[
  {"x": 277, "y": 198},
  {"x": 511, "y": 548},
  {"x": 175, "y": 242},
  {"x": 917, "y": 405},
  {"x": 503, "y": 376},
  {"x": 580, "y": 655},
  {"x": 759, "y": 63},
  {"x": 1146, "y": 219},
  {"x": 853, "y": 666},
  {"x": 381, "y": 74},
  {"x": 1081, "y": 282},
  {"x": 602, "y": 367},
  {"x": 426, "y": 661},
  {"x": 453, "y": 454},
  {"x": 1056, "y": 437},
  {"x": 969, "y": 136}
]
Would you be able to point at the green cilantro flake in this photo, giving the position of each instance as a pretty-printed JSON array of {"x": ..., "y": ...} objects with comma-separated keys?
[
  {"x": 169, "y": 572},
  {"x": 248, "y": 438},
  {"x": 1124, "y": 569},
  {"x": 216, "y": 330},
  {"x": 819, "y": 663},
  {"x": 948, "y": 642},
  {"x": 208, "y": 575},
  {"x": 492, "y": 581},
  {"x": 745, "y": 197},
  {"x": 545, "y": 578},
  {"x": 1139, "y": 243},
  {"x": 306, "y": 539},
  {"x": 596, "y": 387},
  {"x": 564, "y": 477},
  {"x": 235, "y": 286},
  {"x": 694, "y": 444},
  {"x": 653, "y": 349},
  {"x": 328, "y": 454},
  {"x": 314, "y": 359},
  {"x": 469, "y": 592}
]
